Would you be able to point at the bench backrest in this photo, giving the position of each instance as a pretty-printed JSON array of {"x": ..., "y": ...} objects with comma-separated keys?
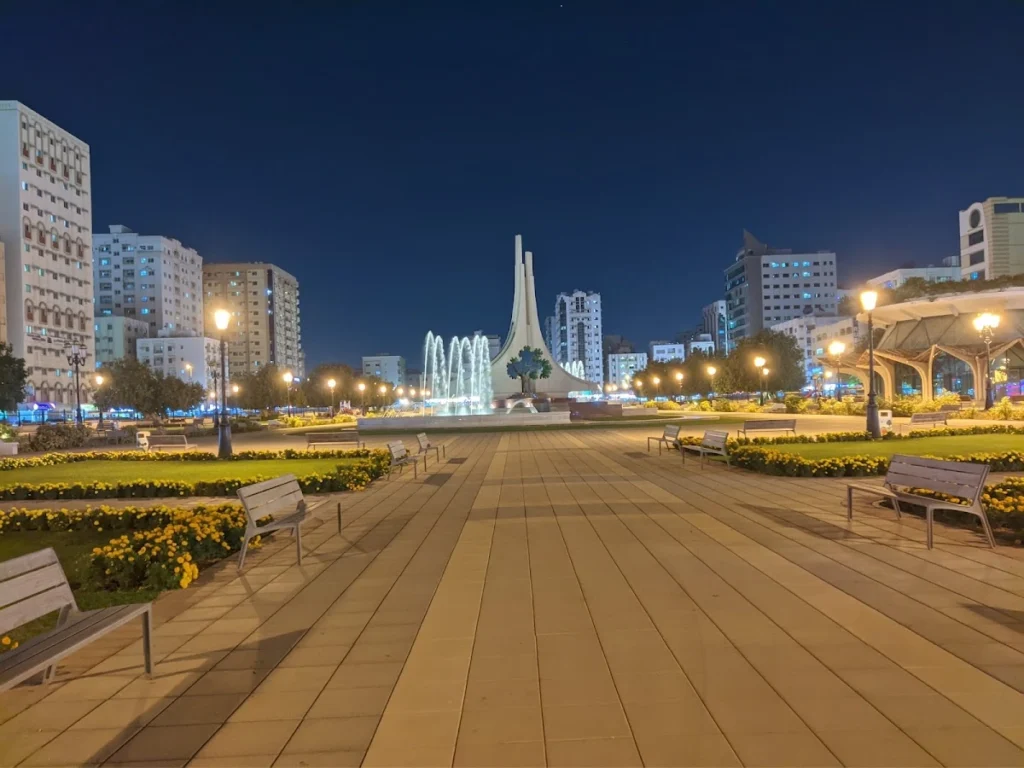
[
  {"x": 750, "y": 426},
  {"x": 949, "y": 408},
  {"x": 927, "y": 418},
  {"x": 962, "y": 479},
  {"x": 350, "y": 436},
  {"x": 397, "y": 449},
  {"x": 32, "y": 586},
  {"x": 168, "y": 440},
  {"x": 715, "y": 438},
  {"x": 423, "y": 440},
  {"x": 671, "y": 432},
  {"x": 282, "y": 494}
]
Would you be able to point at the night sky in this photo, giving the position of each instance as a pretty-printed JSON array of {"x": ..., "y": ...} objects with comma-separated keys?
[{"x": 387, "y": 153}]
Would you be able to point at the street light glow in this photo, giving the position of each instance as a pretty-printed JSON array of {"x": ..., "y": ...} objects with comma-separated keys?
[
  {"x": 869, "y": 300},
  {"x": 400, "y": 391},
  {"x": 234, "y": 389},
  {"x": 656, "y": 381},
  {"x": 986, "y": 320},
  {"x": 288, "y": 378},
  {"x": 383, "y": 389},
  {"x": 331, "y": 384},
  {"x": 764, "y": 372},
  {"x": 99, "y": 380},
  {"x": 679, "y": 375},
  {"x": 221, "y": 318},
  {"x": 711, "y": 370},
  {"x": 836, "y": 348},
  {"x": 361, "y": 386},
  {"x": 759, "y": 362}
]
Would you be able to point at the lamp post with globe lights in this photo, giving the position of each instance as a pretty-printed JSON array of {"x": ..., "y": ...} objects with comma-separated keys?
[
  {"x": 868, "y": 301},
  {"x": 986, "y": 324},
  {"x": 759, "y": 363},
  {"x": 331, "y": 384},
  {"x": 221, "y": 319},
  {"x": 835, "y": 350},
  {"x": 76, "y": 359},
  {"x": 711, "y": 371}
]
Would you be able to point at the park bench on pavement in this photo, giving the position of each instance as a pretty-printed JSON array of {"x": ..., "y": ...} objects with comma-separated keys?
[
  {"x": 937, "y": 419},
  {"x": 768, "y": 425},
  {"x": 669, "y": 437},
  {"x": 34, "y": 585},
  {"x": 280, "y": 498},
  {"x": 712, "y": 444},
  {"x": 425, "y": 446},
  {"x": 348, "y": 436},
  {"x": 400, "y": 457},
  {"x": 907, "y": 474},
  {"x": 149, "y": 442}
]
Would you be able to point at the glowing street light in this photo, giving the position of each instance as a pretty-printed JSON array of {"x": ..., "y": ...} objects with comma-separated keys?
[
  {"x": 221, "y": 318},
  {"x": 869, "y": 300},
  {"x": 331, "y": 384},
  {"x": 400, "y": 391},
  {"x": 835, "y": 350},
  {"x": 288, "y": 379},
  {"x": 99, "y": 383},
  {"x": 711, "y": 371},
  {"x": 986, "y": 324},
  {"x": 188, "y": 367},
  {"x": 759, "y": 364},
  {"x": 657, "y": 384}
]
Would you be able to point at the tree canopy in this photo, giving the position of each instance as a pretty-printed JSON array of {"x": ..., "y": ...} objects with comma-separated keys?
[
  {"x": 13, "y": 377},
  {"x": 130, "y": 384}
]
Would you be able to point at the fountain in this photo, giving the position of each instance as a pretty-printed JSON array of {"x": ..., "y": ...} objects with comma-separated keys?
[
  {"x": 459, "y": 384},
  {"x": 575, "y": 368}
]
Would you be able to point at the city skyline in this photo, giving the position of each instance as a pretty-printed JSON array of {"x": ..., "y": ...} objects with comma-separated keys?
[{"x": 422, "y": 175}]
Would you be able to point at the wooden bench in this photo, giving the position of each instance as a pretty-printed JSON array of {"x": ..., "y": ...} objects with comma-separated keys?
[
  {"x": 961, "y": 479},
  {"x": 333, "y": 438},
  {"x": 33, "y": 585},
  {"x": 282, "y": 499},
  {"x": 931, "y": 420},
  {"x": 425, "y": 446},
  {"x": 950, "y": 408},
  {"x": 768, "y": 425},
  {"x": 148, "y": 442},
  {"x": 669, "y": 437},
  {"x": 400, "y": 457},
  {"x": 712, "y": 444}
]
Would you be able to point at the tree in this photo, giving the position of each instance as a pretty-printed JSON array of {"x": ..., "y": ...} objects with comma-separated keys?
[
  {"x": 315, "y": 388},
  {"x": 129, "y": 383},
  {"x": 12, "y": 378},
  {"x": 783, "y": 357},
  {"x": 261, "y": 390},
  {"x": 529, "y": 366}
]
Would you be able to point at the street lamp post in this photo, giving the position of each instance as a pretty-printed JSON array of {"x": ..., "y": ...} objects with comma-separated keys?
[
  {"x": 288, "y": 379},
  {"x": 361, "y": 386},
  {"x": 221, "y": 318},
  {"x": 383, "y": 389},
  {"x": 986, "y": 324},
  {"x": 188, "y": 367},
  {"x": 836, "y": 349},
  {"x": 711, "y": 370},
  {"x": 639, "y": 386},
  {"x": 657, "y": 384},
  {"x": 868, "y": 300},
  {"x": 759, "y": 364},
  {"x": 679, "y": 383},
  {"x": 331, "y": 384},
  {"x": 99, "y": 383},
  {"x": 76, "y": 359}
]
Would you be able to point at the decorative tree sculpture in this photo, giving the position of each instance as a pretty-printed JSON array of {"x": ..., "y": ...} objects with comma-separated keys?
[{"x": 529, "y": 366}]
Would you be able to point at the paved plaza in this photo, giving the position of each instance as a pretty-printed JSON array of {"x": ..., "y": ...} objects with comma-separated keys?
[{"x": 565, "y": 598}]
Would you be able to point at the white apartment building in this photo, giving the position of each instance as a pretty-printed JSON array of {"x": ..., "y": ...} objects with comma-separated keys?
[
  {"x": 715, "y": 324},
  {"x": 804, "y": 331},
  {"x": 148, "y": 277},
  {"x": 992, "y": 238},
  {"x": 624, "y": 366},
  {"x": 577, "y": 332},
  {"x": 116, "y": 337},
  {"x": 189, "y": 358},
  {"x": 265, "y": 326},
  {"x": 702, "y": 342},
  {"x": 46, "y": 228},
  {"x": 389, "y": 368},
  {"x": 765, "y": 286},
  {"x": 663, "y": 351},
  {"x": 897, "y": 277}
]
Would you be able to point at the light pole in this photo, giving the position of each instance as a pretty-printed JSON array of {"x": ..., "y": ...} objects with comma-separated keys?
[
  {"x": 383, "y": 391},
  {"x": 759, "y": 364},
  {"x": 711, "y": 370},
  {"x": 234, "y": 391},
  {"x": 764, "y": 379},
  {"x": 331, "y": 384},
  {"x": 221, "y": 318},
  {"x": 657, "y": 385},
  {"x": 188, "y": 367},
  {"x": 76, "y": 359},
  {"x": 836, "y": 349},
  {"x": 868, "y": 300},
  {"x": 288, "y": 379},
  {"x": 986, "y": 324},
  {"x": 679, "y": 383},
  {"x": 639, "y": 386},
  {"x": 99, "y": 383},
  {"x": 361, "y": 386}
]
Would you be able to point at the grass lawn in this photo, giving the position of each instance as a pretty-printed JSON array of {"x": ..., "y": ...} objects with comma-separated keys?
[
  {"x": 73, "y": 549},
  {"x": 931, "y": 446},
  {"x": 116, "y": 471}
]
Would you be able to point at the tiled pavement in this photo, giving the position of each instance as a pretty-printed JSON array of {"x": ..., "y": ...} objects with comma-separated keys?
[{"x": 565, "y": 599}]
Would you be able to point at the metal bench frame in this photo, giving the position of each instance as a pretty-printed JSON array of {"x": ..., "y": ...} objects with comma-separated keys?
[
  {"x": 712, "y": 444},
  {"x": 931, "y": 419},
  {"x": 669, "y": 437},
  {"x": 400, "y": 458},
  {"x": 962, "y": 479},
  {"x": 425, "y": 447},
  {"x": 768, "y": 425},
  {"x": 33, "y": 585},
  {"x": 281, "y": 497},
  {"x": 162, "y": 442},
  {"x": 333, "y": 438}
]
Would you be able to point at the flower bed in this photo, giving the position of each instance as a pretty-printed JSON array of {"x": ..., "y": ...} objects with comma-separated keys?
[
  {"x": 347, "y": 477},
  {"x": 772, "y": 462}
]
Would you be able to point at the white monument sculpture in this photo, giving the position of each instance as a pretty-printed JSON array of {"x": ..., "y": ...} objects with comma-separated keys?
[{"x": 525, "y": 331}]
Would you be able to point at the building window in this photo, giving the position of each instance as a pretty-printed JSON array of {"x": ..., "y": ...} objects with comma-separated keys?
[
  {"x": 976, "y": 237},
  {"x": 1006, "y": 208},
  {"x": 977, "y": 257}
]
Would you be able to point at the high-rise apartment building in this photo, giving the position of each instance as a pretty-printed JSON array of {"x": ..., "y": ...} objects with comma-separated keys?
[
  {"x": 46, "y": 229},
  {"x": 715, "y": 324},
  {"x": 194, "y": 359},
  {"x": 116, "y": 337},
  {"x": 577, "y": 332},
  {"x": 664, "y": 351},
  {"x": 623, "y": 366},
  {"x": 148, "y": 277},
  {"x": 389, "y": 368},
  {"x": 992, "y": 238},
  {"x": 765, "y": 286}
]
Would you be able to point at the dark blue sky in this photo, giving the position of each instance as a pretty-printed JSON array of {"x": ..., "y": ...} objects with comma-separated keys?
[{"x": 387, "y": 153}]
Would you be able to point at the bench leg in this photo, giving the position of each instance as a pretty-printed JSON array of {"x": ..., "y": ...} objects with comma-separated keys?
[
  {"x": 298, "y": 543},
  {"x": 444, "y": 451},
  {"x": 416, "y": 470},
  {"x": 245, "y": 547},
  {"x": 147, "y": 641},
  {"x": 929, "y": 522},
  {"x": 988, "y": 529},
  {"x": 849, "y": 503},
  {"x": 896, "y": 506},
  {"x": 339, "y": 518},
  {"x": 425, "y": 462},
  {"x": 648, "y": 445},
  {"x": 62, "y": 618}
]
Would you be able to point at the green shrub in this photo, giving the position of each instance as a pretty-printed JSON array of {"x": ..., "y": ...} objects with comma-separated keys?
[
  {"x": 795, "y": 403},
  {"x": 668, "y": 405},
  {"x": 769, "y": 461},
  {"x": 58, "y": 437}
]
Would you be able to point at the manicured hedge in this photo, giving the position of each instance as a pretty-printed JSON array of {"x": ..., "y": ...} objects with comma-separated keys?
[
  {"x": 772, "y": 462},
  {"x": 852, "y": 437},
  {"x": 53, "y": 459}
]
